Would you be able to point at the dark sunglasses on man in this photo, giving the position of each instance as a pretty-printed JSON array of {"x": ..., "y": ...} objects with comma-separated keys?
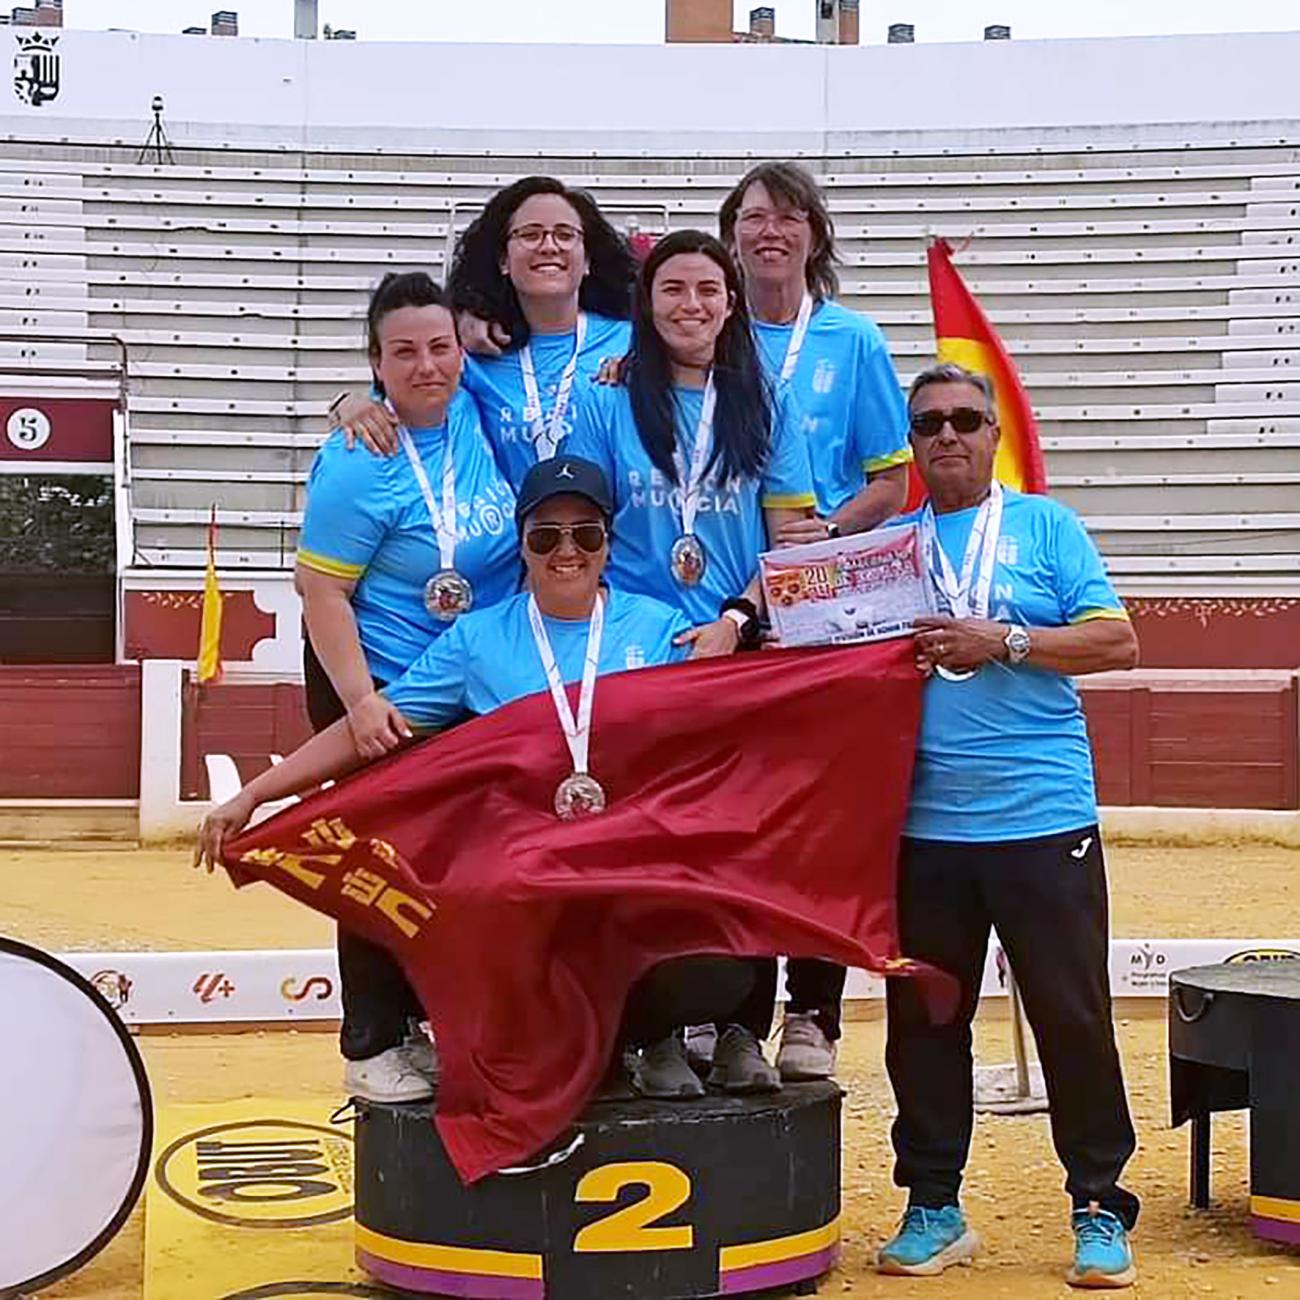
[
  {"x": 964, "y": 419},
  {"x": 542, "y": 539}
]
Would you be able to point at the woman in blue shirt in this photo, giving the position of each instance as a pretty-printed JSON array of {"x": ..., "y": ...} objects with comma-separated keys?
[
  {"x": 535, "y": 641},
  {"x": 706, "y": 470},
  {"x": 543, "y": 283},
  {"x": 390, "y": 552}
]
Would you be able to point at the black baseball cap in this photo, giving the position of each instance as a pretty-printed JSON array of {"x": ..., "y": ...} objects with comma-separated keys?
[{"x": 563, "y": 476}]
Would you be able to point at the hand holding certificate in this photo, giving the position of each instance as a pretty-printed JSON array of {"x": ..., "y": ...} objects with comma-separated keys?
[{"x": 864, "y": 587}]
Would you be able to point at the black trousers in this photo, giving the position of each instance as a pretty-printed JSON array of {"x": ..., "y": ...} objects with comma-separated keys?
[
  {"x": 813, "y": 985},
  {"x": 1047, "y": 899},
  {"x": 378, "y": 1001},
  {"x": 685, "y": 991}
]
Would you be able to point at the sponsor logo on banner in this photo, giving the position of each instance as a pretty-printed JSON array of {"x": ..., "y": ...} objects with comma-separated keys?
[
  {"x": 262, "y": 1173},
  {"x": 1262, "y": 954},
  {"x": 207, "y": 987},
  {"x": 36, "y": 69},
  {"x": 315, "y": 987},
  {"x": 1148, "y": 968},
  {"x": 113, "y": 987}
]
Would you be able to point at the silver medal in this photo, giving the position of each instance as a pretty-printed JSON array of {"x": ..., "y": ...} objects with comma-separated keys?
[
  {"x": 955, "y": 674},
  {"x": 448, "y": 595},
  {"x": 579, "y": 795},
  {"x": 689, "y": 560}
]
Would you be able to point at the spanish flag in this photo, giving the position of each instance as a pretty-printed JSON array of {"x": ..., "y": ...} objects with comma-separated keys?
[
  {"x": 964, "y": 335},
  {"x": 210, "y": 628}
]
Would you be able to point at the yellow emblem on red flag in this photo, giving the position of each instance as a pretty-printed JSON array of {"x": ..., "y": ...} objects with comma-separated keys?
[{"x": 209, "y": 664}]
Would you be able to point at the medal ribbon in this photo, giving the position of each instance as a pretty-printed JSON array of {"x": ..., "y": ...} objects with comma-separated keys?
[
  {"x": 699, "y": 458},
  {"x": 547, "y": 434},
  {"x": 981, "y": 552},
  {"x": 444, "y": 520},
  {"x": 795, "y": 346},
  {"x": 577, "y": 731}
]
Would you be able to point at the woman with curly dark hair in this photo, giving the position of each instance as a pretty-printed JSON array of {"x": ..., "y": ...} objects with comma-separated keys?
[{"x": 553, "y": 280}]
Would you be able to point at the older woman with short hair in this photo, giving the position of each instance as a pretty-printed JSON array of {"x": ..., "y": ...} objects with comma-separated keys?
[{"x": 1002, "y": 832}]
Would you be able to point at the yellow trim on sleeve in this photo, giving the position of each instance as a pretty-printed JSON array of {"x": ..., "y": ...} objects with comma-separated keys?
[
  {"x": 790, "y": 501},
  {"x": 1092, "y": 615},
  {"x": 903, "y": 456},
  {"x": 324, "y": 564}
]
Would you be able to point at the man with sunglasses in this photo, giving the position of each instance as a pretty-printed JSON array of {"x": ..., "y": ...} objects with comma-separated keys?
[{"x": 1002, "y": 831}]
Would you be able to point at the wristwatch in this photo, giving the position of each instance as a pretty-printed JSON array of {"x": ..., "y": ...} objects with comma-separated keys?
[
  {"x": 1017, "y": 644},
  {"x": 832, "y": 528},
  {"x": 744, "y": 614}
]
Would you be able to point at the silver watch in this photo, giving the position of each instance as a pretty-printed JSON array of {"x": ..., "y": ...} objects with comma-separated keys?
[{"x": 1017, "y": 644}]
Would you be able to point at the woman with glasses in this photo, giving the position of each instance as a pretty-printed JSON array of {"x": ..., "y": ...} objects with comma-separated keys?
[
  {"x": 832, "y": 366},
  {"x": 1002, "y": 831},
  {"x": 392, "y": 551},
  {"x": 545, "y": 280},
  {"x": 536, "y": 641},
  {"x": 706, "y": 471}
]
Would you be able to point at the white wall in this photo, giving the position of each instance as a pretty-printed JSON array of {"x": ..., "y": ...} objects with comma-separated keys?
[{"x": 343, "y": 94}]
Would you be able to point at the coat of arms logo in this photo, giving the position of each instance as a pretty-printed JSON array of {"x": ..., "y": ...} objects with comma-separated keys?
[{"x": 36, "y": 69}]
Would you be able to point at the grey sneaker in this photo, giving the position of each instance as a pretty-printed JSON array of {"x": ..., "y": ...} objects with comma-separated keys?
[
  {"x": 806, "y": 1053},
  {"x": 388, "y": 1077},
  {"x": 701, "y": 1043},
  {"x": 421, "y": 1053},
  {"x": 739, "y": 1064},
  {"x": 664, "y": 1073}
]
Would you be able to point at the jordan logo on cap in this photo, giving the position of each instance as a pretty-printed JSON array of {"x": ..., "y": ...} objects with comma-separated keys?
[{"x": 565, "y": 471}]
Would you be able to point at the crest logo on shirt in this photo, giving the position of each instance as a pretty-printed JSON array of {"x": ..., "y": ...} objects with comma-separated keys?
[
  {"x": 634, "y": 657},
  {"x": 1008, "y": 551},
  {"x": 823, "y": 379},
  {"x": 36, "y": 69}
]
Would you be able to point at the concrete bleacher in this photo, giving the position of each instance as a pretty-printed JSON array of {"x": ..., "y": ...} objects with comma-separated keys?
[{"x": 1151, "y": 296}]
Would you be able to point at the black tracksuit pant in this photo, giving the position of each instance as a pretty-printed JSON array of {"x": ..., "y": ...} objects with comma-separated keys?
[
  {"x": 378, "y": 1001},
  {"x": 1047, "y": 899}
]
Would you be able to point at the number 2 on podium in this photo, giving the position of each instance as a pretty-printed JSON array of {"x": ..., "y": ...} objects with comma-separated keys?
[{"x": 632, "y": 1228}]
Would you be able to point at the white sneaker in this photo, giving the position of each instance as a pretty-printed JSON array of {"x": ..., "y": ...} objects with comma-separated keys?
[
  {"x": 388, "y": 1077},
  {"x": 806, "y": 1053},
  {"x": 422, "y": 1052}
]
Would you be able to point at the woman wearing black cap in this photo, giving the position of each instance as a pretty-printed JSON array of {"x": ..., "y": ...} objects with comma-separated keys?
[{"x": 566, "y": 626}]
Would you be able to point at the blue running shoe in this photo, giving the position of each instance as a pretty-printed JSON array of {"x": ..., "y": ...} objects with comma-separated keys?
[
  {"x": 1102, "y": 1255},
  {"x": 927, "y": 1241}
]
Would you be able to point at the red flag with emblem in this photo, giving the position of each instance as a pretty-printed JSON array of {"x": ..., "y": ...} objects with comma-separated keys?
[{"x": 755, "y": 806}]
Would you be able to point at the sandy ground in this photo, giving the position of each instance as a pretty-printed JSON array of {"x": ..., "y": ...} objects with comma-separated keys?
[{"x": 116, "y": 899}]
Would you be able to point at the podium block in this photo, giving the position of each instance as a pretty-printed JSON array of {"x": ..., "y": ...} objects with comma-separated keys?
[{"x": 649, "y": 1201}]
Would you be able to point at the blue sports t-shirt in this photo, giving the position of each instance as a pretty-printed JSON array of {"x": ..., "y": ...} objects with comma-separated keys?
[
  {"x": 1004, "y": 755},
  {"x": 488, "y": 658},
  {"x": 647, "y": 507},
  {"x": 497, "y": 385},
  {"x": 845, "y": 396},
  {"x": 366, "y": 519}
]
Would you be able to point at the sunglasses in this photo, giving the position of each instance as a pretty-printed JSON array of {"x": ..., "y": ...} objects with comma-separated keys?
[
  {"x": 542, "y": 539},
  {"x": 562, "y": 236},
  {"x": 964, "y": 419}
]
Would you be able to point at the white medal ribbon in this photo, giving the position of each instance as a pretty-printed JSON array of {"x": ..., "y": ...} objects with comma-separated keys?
[
  {"x": 547, "y": 434},
  {"x": 691, "y": 486},
  {"x": 795, "y": 346},
  {"x": 577, "y": 731},
  {"x": 444, "y": 520},
  {"x": 967, "y": 596}
]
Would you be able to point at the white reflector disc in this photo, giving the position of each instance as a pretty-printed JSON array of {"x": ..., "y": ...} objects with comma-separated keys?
[{"x": 78, "y": 1120}]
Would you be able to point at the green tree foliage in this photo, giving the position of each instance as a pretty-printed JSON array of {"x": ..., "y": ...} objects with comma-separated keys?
[{"x": 58, "y": 524}]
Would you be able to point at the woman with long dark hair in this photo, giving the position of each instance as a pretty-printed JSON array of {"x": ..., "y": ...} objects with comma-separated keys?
[
  {"x": 392, "y": 551},
  {"x": 706, "y": 469},
  {"x": 553, "y": 278}
]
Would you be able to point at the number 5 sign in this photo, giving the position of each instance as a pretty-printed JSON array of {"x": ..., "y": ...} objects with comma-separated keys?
[{"x": 28, "y": 429}]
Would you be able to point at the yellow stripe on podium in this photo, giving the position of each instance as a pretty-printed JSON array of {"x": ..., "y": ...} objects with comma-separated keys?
[
  {"x": 449, "y": 1259},
  {"x": 779, "y": 1249}
]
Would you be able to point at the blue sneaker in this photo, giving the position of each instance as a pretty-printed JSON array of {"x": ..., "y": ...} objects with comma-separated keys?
[
  {"x": 1102, "y": 1255},
  {"x": 927, "y": 1241}
]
